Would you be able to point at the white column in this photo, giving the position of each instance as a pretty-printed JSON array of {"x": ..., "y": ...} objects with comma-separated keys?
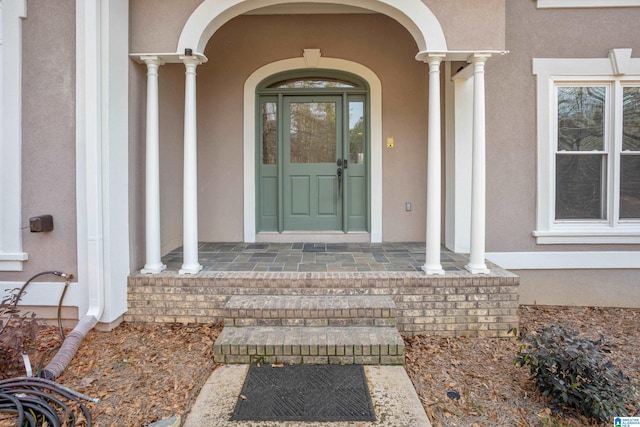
[
  {"x": 190, "y": 204},
  {"x": 153, "y": 262},
  {"x": 476, "y": 263},
  {"x": 434, "y": 184}
]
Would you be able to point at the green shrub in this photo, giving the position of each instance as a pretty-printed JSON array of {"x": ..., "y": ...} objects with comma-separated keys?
[
  {"x": 17, "y": 335},
  {"x": 572, "y": 372}
]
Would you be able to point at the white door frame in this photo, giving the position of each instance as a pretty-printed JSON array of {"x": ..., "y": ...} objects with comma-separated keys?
[{"x": 249, "y": 151}]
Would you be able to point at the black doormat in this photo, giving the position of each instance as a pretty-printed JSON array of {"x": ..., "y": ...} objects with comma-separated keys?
[{"x": 305, "y": 393}]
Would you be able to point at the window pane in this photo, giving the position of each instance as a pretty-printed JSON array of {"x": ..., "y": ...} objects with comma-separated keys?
[
  {"x": 312, "y": 83},
  {"x": 630, "y": 187},
  {"x": 356, "y": 132},
  {"x": 579, "y": 186},
  {"x": 631, "y": 119},
  {"x": 581, "y": 118},
  {"x": 269, "y": 133},
  {"x": 313, "y": 132}
]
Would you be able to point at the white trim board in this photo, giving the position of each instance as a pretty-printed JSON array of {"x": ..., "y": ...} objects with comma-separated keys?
[
  {"x": 565, "y": 260},
  {"x": 11, "y": 16},
  {"x": 549, "y": 4},
  {"x": 46, "y": 294}
]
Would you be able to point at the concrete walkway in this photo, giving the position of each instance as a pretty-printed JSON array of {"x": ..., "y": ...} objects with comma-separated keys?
[{"x": 394, "y": 399}]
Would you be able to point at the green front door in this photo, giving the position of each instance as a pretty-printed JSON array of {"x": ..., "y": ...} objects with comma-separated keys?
[
  {"x": 311, "y": 124},
  {"x": 312, "y": 180}
]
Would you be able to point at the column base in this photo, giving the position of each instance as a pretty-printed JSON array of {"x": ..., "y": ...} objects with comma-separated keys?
[
  {"x": 153, "y": 268},
  {"x": 190, "y": 269},
  {"x": 433, "y": 269},
  {"x": 477, "y": 268}
]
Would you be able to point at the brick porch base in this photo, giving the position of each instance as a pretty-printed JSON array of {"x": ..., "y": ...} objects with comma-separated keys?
[{"x": 456, "y": 304}]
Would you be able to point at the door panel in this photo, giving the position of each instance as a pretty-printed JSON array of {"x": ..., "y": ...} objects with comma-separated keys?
[
  {"x": 299, "y": 197},
  {"x": 312, "y": 143},
  {"x": 327, "y": 195}
]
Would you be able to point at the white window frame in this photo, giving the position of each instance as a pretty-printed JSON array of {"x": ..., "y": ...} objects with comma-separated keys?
[
  {"x": 550, "y": 4},
  {"x": 12, "y": 12},
  {"x": 617, "y": 70}
]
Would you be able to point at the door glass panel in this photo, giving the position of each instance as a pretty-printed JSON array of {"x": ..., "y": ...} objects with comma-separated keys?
[
  {"x": 312, "y": 83},
  {"x": 356, "y": 132},
  {"x": 313, "y": 132},
  {"x": 631, "y": 119},
  {"x": 581, "y": 118},
  {"x": 269, "y": 133}
]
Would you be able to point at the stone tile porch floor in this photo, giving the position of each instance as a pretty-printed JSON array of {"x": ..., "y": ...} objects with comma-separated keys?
[{"x": 314, "y": 257}]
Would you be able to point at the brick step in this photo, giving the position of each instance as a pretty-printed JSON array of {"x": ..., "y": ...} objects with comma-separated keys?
[
  {"x": 279, "y": 310},
  {"x": 310, "y": 345}
]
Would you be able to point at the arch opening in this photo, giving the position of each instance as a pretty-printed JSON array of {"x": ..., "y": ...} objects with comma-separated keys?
[{"x": 413, "y": 15}]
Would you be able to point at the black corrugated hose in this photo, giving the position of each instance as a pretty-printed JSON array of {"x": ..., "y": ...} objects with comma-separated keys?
[{"x": 39, "y": 401}]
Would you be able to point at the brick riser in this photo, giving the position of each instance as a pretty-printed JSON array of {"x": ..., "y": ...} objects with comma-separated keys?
[
  {"x": 457, "y": 304},
  {"x": 310, "y": 345},
  {"x": 311, "y": 311}
]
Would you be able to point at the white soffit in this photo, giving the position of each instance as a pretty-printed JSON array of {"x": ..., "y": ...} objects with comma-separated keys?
[{"x": 308, "y": 9}]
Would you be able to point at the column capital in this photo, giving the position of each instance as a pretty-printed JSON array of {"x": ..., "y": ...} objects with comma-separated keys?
[
  {"x": 433, "y": 58},
  {"x": 479, "y": 57},
  {"x": 190, "y": 60},
  {"x": 152, "y": 60}
]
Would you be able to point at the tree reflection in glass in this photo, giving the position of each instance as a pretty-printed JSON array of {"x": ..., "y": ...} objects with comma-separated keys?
[{"x": 581, "y": 156}]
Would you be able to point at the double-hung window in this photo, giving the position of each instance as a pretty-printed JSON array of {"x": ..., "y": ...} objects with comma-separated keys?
[{"x": 588, "y": 150}]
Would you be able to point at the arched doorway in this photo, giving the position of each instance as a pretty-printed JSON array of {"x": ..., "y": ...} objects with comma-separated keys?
[
  {"x": 366, "y": 220},
  {"x": 313, "y": 150}
]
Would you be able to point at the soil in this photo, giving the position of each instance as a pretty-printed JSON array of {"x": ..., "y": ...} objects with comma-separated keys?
[{"x": 143, "y": 373}]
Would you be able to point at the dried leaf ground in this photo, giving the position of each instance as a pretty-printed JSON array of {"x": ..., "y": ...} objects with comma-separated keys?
[
  {"x": 141, "y": 373},
  {"x": 493, "y": 392},
  {"x": 145, "y": 373}
]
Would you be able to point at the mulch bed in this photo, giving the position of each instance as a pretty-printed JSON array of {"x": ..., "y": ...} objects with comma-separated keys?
[
  {"x": 147, "y": 372},
  {"x": 492, "y": 390},
  {"x": 140, "y": 372}
]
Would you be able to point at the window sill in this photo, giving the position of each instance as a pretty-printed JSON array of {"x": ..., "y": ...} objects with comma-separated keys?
[{"x": 586, "y": 237}]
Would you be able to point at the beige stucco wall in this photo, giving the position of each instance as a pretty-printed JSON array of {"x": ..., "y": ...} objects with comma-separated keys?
[
  {"x": 511, "y": 108},
  {"x": 600, "y": 288},
  {"x": 48, "y": 136},
  {"x": 155, "y": 25},
  {"x": 471, "y": 24}
]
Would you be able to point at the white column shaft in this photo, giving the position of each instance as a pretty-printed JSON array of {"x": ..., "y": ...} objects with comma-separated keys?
[
  {"x": 476, "y": 263},
  {"x": 190, "y": 192},
  {"x": 152, "y": 179},
  {"x": 434, "y": 180}
]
